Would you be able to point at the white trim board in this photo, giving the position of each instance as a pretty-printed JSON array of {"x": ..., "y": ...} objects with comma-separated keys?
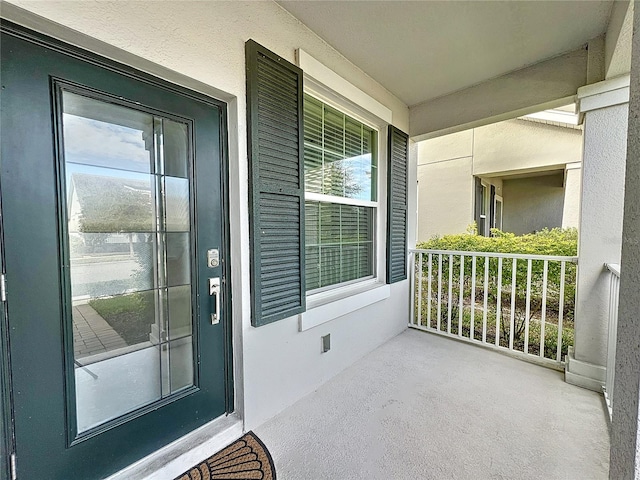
[
  {"x": 317, "y": 315},
  {"x": 177, "y": 457},
  {"x": 604, "y": 94},
  {"x": 312, "y": 67}
]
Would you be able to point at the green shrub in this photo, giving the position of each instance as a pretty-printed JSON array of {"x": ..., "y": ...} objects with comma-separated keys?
[{"x": 557, "y": 241}]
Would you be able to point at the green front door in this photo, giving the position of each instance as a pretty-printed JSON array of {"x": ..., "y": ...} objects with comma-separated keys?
[{"x": 113, "y": 213}]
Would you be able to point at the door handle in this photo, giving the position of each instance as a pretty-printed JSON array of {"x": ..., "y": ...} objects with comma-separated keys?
[{"x": 214, "y": 294}]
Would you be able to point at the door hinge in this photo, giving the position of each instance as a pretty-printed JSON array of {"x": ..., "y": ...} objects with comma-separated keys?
[
  {"x": 3, "y": 288},
  {"x": 12, "y": 466}
]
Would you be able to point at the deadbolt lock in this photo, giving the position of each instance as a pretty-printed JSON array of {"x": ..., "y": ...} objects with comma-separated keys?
[{"x": 213, "y": 257}]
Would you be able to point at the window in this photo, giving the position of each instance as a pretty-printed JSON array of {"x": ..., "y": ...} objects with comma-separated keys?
[
  {"x": 482, "y": 224},
  {"x": 340, "y": 157},
  {"x": 497, "y": 221},
  {"x": 485, "y": 206}
]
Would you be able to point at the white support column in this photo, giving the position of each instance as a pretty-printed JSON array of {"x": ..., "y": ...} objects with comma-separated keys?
[
  {"x": 605, "y": 109},
  {"x": 571, "y": 205},
  {"x": 625, "y": 431}
]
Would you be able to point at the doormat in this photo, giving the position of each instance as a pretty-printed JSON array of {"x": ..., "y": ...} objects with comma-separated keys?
[{"x": 245, "y": 459}]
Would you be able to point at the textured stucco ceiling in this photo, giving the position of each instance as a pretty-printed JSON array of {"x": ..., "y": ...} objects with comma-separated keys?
[{"x": 420, "y": 50}]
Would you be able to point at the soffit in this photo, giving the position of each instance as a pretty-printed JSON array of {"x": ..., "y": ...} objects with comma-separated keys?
[{"x": 421, "y": 50}]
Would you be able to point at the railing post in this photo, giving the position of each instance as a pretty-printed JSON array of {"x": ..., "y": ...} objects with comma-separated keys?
[
  {"x": 430, "y": 258},
  {"x": 512, "y": 323},
  {"x": 543, "y": 315},
  {"x": 412, "y": 273},
  {"x": 450, "y": 294},
  {"x": 473, "y": 297},
  {"x": 614, "y": 299},
  {"x": 527, "y": 308},
  {"x": 461, "y": 303},
  {"x": 499, "y": 302},
  {"x": 486, "y": 299},
  {"x": 439, "y": 291},
  {"x": 419, "y": 289},
  {"x": 560, "y": 312}
]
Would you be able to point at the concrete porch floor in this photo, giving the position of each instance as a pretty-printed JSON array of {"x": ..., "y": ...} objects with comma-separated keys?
[{"x": 427, "y": 407}]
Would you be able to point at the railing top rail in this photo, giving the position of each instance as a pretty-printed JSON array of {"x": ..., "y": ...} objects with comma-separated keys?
[
  {"x": 613, "y": 268},
  {"x": 523, "y": 256}
]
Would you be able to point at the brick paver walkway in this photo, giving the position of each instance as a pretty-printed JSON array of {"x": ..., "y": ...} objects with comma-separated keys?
[{"x": 92, "y": 334}]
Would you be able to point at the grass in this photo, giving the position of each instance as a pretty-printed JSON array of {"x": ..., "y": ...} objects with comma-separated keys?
[{"x": 130, "y": 315}]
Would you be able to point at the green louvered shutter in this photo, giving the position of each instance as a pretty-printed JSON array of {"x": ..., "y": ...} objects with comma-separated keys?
[
  {"x": 276, "y": 169},
  {"x": 398, "y": 153}
]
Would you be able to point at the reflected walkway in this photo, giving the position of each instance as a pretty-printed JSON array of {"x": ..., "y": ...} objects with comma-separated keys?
[{"x": 92, "y": 334}]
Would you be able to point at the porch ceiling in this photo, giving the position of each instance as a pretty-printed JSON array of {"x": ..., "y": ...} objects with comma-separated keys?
[{"x": 421, "y": 50}]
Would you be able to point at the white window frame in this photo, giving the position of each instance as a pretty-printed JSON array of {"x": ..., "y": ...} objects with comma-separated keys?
[
  {"x": 486, "y": 200},
  {"x": 324, "y": 305},
  {"x": 321, "y": 197},
  {"x": 500, "y": 200}
]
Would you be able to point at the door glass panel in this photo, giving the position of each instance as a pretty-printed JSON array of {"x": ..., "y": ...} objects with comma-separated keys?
[
  {"x": 181, "y": 363},
  {"x": 175, "y": 148},
  {"x": 127, "y": 187},
  {"x": 176, "y": 198},
  {"x": 107, "y": 135},
  {"x": 179, "y": 311},
  {"x": 109, "y": 264},
  {"x": 178, "y": 258}
]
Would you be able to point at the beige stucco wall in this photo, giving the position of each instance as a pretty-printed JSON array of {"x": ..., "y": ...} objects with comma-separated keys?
[
  {"x": 456, "y": 145},
  {"x": 494, "y": 153},
  {"x": 523, "y": 145},
  {"x": 572, "y": 196},
  {"x": 445, "y": 197},
  {"x": 600, "y": 237},
  {"x": 618, "y": 39},
  {"x": 533, "y": 203}
]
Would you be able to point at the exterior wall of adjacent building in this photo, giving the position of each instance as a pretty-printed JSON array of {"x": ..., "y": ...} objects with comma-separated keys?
[
  {"x": 533, "y": 203},
  {"x": 454, "y": 189},
  {"x": 524, "y": 146},
  {"x": 201, "y": 45},
  {"x": 512, "y": 156}
]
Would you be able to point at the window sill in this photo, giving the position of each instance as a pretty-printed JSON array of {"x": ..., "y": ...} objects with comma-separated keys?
[{"x": 326, "y": 306}]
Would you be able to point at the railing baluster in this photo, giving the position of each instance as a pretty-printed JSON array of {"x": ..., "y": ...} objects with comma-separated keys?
[
  {"x": 429, "y": 296},
  {"x": 527, "y": 308},
  {"x": 420, "y": 290},
  {"x": 615, "y": 334},
  {"x": 486, "y": 298},
  {"x": 610, "y": 355},
  {"x": 543, "y": 313},
  {"x": 412, "y": 260},
  {"x": 439, "y": 290},
  {"x": 473, "y": 297},
  {"x": 450, "y": 294},
  {"x": 461, "y": 305},
  {"x": 614, "y": 298},
  {"x": 499, "y": 302},
  {"x": 560, "y": 311},
  {"x": 513, "y": 303}
]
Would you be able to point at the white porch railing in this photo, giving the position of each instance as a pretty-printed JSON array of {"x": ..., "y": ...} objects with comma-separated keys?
[
  {"x": 521, "y": 304},
  {"x": 614, "y": 296}
]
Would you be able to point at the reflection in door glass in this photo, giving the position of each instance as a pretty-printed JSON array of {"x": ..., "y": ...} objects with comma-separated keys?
[{"x": 129, "y": 236}]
